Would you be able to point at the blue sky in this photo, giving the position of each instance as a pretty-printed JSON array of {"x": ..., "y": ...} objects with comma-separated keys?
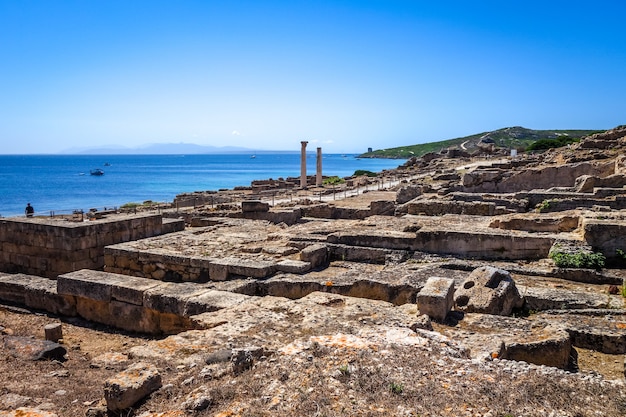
[{"x": 344, "y": 75}]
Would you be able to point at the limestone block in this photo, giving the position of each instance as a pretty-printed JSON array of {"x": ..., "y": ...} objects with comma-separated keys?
[
  {"x": 408, "y": 193},
  {"x": 436, "y": 298},
  {"x": 293, "y": 267},
  {"x": 316, "y": 254},
  {"x": 36, "y": 292},
  {"x": 134, "y": 318},
  {"x": 488, "y": 290},
  {"x": 12, "y": 290},
  {"x": 221, "y": 269},
  {"x": 218, "y": 271},
  {"x": 174, "y": 324},
  {"x": 605, "y": 236},
  {"x": 131, "y": 385},
  {"x": 86, "y": 284},
  {"x": 169, "y": 297},
  {"x": 93, "y": 310},
  {"x": 382, "y": 207},
  {"x": 251, "y": 206}
]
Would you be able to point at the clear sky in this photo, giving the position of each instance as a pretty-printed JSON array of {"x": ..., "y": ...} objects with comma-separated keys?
[{"x": 344, "y": 75}]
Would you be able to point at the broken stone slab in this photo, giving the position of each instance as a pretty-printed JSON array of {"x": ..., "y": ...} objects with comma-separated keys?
[
  {"x": 33, "y": 349},
  {"x": 540, "y": 342},
  {"x": 540, "y": 299},
  {"x": 537, "y": 223},
  {"x": 488, "y": 290},
  {"x": 600, "y": 330},
  {"x": 436, "y": 298},
  {"x": 131, "y": 385},
  {"x": 36, "y": 292},
  {"x": 587, "y": 183}
]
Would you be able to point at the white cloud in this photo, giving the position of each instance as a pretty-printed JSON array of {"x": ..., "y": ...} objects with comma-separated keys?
[{"x": 236, "y": 133}]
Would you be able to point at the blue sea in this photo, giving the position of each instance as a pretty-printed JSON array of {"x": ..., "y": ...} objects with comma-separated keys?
[{"x": 62, "y": 183}]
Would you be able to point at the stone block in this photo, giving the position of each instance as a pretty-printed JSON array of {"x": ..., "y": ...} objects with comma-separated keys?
[
  {"x": 131, "y": 385},
  {"x": 252, "y": 206},
  {"x": 85, "y": 283},
  {"x": 53, "y": 332},
  {"x": 35, "y": 292},
  {"x": 171, "y": 297},
  {"x": 293, "y": 267},
  {"x": 316, "y": 255},
  {"x": 134, "y": 318},
  {"x": 436, "y": 298},
  {"x": 93, "y": 310},
  {"x": 221, "y": 269},
  {"x": 488, "y": 290},
  {"x": 382, "y": 207}
]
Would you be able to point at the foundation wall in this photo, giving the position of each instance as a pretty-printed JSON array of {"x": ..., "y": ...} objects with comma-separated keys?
[{"x": 49, "y": 248}]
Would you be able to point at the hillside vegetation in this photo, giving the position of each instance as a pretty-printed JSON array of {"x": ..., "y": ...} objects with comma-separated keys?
[{"x": 509, "y": 137}]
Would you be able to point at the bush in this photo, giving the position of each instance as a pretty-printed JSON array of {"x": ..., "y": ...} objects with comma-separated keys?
[
  {"x": 578, "y": 260},
  {"x": 360, "y": 172},
  {"x": 543, "y": 144},
  {"x": 333, "y": 180}
]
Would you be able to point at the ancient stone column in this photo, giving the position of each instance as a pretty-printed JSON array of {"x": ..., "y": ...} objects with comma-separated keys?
[
  {"x": 318, "y": 172},
  {"x": 303, "y": 181}
]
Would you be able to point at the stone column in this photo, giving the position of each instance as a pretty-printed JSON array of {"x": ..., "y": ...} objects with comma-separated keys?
[
  {"x": 318, "y": 172},
  {"x": 303, "y": 181}
]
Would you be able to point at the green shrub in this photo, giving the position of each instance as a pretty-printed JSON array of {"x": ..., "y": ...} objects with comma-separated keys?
[
  {"x": 333, "y": 180},
  {"x": 543, "y": 144},
  {"x": 360, "y": 172},
  {"x": 544, "y": 205},
  {"x": 396, "y": 388},
  {"x": 578, "y": 260}
]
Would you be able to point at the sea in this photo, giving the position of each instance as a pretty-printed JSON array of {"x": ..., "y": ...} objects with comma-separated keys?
[{"x": 60, "y": 184}]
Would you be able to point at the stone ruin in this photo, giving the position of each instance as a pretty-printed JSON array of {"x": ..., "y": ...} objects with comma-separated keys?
[{"x": 466, "y": 243}]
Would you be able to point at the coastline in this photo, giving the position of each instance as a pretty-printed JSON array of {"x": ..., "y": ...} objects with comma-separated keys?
[{"x": 62, "y": 184}]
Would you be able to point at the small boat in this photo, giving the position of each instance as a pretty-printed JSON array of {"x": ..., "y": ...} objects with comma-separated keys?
[
  {"x": 106, "y": 164},
  {"x": 96, "y": 171},
  {"x": 252, "y": 156}
]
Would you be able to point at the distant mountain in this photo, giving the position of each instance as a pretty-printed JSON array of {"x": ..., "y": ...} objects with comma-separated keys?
[
  {"x": 517, "y": 137},
  {"x": 157, "y": 149}
]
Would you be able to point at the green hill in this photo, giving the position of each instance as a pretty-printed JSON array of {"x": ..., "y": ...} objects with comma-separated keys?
[{"x": 509, "y": 137}]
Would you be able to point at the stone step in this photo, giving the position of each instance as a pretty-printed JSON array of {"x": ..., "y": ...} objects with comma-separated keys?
[
  {"x": 35, "y": 292},
  {"x": 476, "y": 245}
]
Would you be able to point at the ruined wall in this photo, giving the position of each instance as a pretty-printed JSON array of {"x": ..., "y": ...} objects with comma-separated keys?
[
  {"x": 503, "y": 181},
  {"x": 466, "y": 244},
  {"x": 49, "y": 247}
]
